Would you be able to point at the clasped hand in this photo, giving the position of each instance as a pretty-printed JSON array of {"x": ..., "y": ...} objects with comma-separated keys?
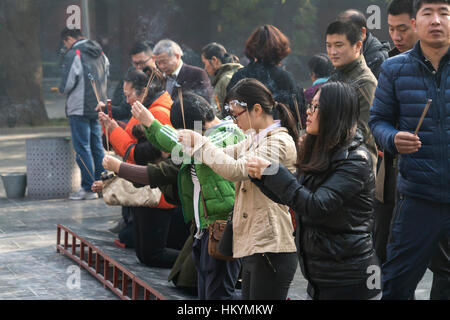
[
  {"x": 256, "y": 167},
  {"x": 107, "y": 122}
]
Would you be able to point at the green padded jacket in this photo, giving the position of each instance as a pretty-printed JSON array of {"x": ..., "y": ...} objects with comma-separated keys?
[{"x": 218, "y": 193}]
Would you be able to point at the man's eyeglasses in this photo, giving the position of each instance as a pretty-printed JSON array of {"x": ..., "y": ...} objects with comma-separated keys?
[
  {"x": 138, "y": 64},
  {"x": 313, "y": 107}
]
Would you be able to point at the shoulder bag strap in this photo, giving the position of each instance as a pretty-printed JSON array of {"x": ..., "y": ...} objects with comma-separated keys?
[{"x": 127, "y": 153}]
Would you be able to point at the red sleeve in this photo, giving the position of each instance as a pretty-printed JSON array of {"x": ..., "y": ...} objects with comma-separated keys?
[
  {"x": 162, "y": 115},
  {"x": 120, "y": 141}
]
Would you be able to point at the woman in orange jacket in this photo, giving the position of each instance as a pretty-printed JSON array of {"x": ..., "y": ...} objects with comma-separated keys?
[{"x": 151, "y": 226}]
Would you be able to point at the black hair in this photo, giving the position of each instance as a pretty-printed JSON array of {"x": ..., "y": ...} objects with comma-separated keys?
[
  {"x": 144, "y": 151},
  {"x": 338, "y": 118},
  {"x": 74, "y": 33},
  {"x": 139, "y": 80},
  {"x": 321, "y": 65},
  {"x": 195, "y": 107},
  {"x": 217, "y": 50},
  {"x": 349, "y": 29},
  {"x": 397, "y": 7},
  {"x": 419, "y": 3},
  {"x": 355, "y": 16},
  {"x": 252, "y": 91},
  {"x": 142, "y": 46}
]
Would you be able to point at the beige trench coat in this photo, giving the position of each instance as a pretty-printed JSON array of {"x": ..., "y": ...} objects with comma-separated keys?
[{"x": 259, "y": 224}]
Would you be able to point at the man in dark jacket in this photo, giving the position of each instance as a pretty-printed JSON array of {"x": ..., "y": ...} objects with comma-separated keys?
[
  {"x": 141, "y": 57},
  {"x": 84, "y": 62},
  {"x": 400, "y": 13},
  {"x": 407, "y": 81},
  {"x": 343, "y": 42},
  {"x": 168, "y": 55},
  {"x": 374, "y": 51}
]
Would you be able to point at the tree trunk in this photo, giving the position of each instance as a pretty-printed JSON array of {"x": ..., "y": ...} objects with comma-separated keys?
[{"x": 21, "y": 100}]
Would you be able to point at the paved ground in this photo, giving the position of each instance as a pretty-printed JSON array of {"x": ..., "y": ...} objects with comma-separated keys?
[{"x": 30, "y": 268}]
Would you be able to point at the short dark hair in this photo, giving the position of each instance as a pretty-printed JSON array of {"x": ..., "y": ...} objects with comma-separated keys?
[
  {"x": 419, "y": 3},
  {"x": 321, "y": 65},
  {"x": 195, "y": 107},
  {"x": 139, "y": 80},
  {"x": 349, "y": 29},
  {"x": 74, "y": 33},
  {"x": 268, "y": 45},
  {"x": 142, "y": 46},
  {"x": 356, "y": 16},
  {"x": 398, "y": 7},
  {"x": 217, "y": 50}
]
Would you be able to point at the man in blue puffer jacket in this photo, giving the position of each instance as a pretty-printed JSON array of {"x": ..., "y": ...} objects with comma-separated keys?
[{"x": 406, "y": 82}]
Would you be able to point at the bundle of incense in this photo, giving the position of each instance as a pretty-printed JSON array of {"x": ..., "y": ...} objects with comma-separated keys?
[
  {"x": 424, "y": 113},
  {"x": 149, "y": 83},
  {"x": 180, "y": 97},
  {"x": 298, "y": 112}
]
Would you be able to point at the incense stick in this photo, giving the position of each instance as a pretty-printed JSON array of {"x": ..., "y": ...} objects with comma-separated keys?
[
  {"x": 109, "y": 108},
  {"x": 94, "y": 87},
  {"x": 218, "y": 105},
  {"x": 180, "y": 97},
  {"x": 107, "y": 139},
  {"x": 149, "y": 83},
  {"x": 424, "y": 113},
  {"x": 86, "y": 167}
]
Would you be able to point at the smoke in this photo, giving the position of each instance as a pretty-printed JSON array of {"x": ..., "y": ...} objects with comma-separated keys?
[{"x": 151, "y": 27}]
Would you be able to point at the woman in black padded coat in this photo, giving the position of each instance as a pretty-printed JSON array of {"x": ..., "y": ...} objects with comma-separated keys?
[{"x": 332, "y": 197}]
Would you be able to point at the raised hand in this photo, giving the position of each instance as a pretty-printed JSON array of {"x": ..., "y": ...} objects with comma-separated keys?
[
  {"x": 111, "y": 164},
  {"x": 189, "y": 138},
  {"x": 107, "y": 122},
  {"x": 142, "y": 114},
  {"x": 100, "y": 106}
]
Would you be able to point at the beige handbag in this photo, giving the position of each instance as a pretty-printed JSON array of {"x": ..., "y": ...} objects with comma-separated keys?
[{"x": 120, "y": 192}]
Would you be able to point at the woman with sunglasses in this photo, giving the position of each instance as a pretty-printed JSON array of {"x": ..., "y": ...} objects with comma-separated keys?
[
  {"x": 333, "y": 196},
  {"x": 262, "y": 229}
]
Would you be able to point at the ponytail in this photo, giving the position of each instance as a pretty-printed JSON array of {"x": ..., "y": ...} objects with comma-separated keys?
[{"x": 288, "y": 121}]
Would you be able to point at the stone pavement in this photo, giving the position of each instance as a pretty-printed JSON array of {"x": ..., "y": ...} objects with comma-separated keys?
[{"x": 30, "y": 268}]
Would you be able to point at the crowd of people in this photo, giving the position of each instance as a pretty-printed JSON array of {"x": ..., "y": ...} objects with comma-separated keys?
[{"x": 347, "y": 176}]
